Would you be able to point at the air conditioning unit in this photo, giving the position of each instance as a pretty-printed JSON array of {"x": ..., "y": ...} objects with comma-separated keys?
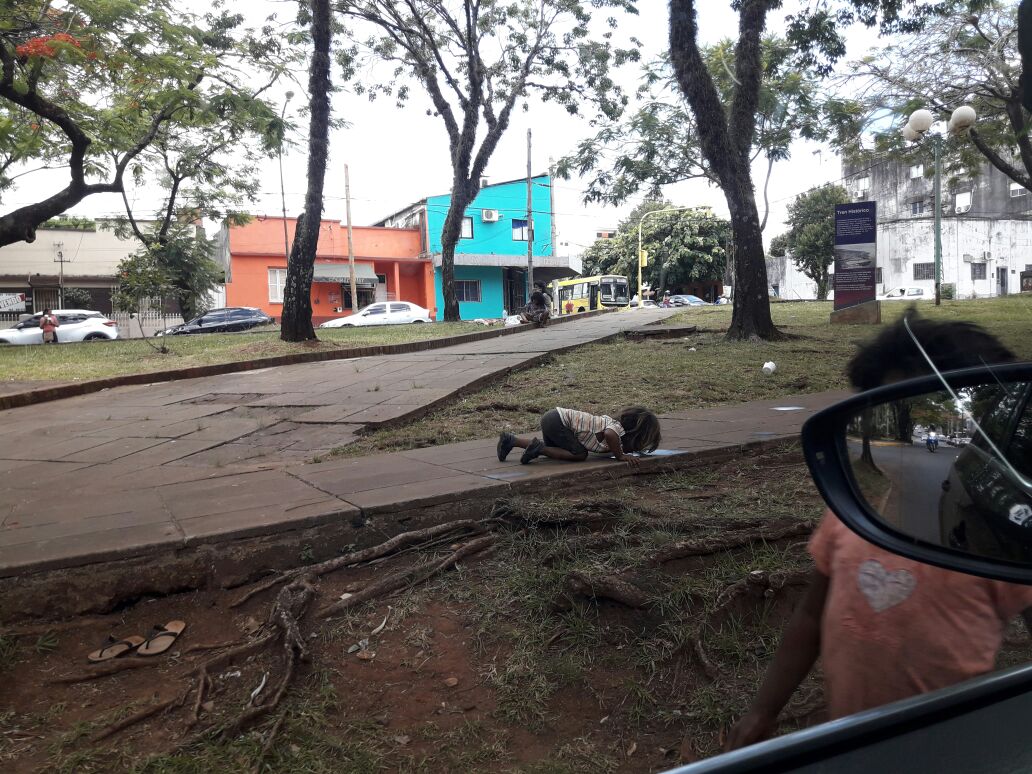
[
  {"x": 860, "y": 194},
  {"x": 489, "y": 216},
  {"x": 962, "y": 208},
  {"x": 986, "y": 255}
]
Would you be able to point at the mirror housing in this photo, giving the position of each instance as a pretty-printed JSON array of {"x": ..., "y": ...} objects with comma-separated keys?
[{"x": 827, "y": 444}]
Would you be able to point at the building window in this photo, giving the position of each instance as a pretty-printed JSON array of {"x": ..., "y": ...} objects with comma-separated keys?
[
  {"x": 863, "y": 187},
  {"x": 877, "y": 275},
  {"x": 467, "y": 290},
  {"x": 924, "y": 271},
  {"x": 467, "y": 228},
  {"x": 519, "y": 230},
  {"x": 963, "y": 201},
  {"x": 277, "y": 281},
  {"x": 977, "y": 271},
  {"x": 917, "y": 208},
  {"x": 916, "y": 171},
  {"x": 1017, "y": 189}
]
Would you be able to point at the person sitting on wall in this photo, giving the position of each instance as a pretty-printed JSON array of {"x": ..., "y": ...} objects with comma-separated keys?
[{"x": 538, "y": 311}]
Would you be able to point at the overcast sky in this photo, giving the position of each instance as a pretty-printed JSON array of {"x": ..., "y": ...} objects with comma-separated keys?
[{"x": 397, "y": 156}]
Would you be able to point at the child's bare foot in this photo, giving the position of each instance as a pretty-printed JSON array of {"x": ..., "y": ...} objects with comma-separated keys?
[{"x": 506, "y": 442}]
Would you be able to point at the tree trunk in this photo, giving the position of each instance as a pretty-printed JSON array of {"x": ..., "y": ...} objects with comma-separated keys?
[
  {"x": 822, "y": 285},
  {"x": 725, "y": 137},
  {"x": 296, "y": 322},
  {"x": 464, "y": 191},
  {"x": 750, "y": 316}
]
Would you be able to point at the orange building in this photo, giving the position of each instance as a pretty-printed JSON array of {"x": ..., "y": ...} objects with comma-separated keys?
[{"x": 389, "y": 265}]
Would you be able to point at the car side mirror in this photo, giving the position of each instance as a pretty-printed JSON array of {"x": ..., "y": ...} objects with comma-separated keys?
[{"x": 882, "y": 462}]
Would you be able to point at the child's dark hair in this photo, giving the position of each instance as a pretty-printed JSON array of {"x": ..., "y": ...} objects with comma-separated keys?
[
  {"x": 538, "y": 298},
  {"x": 641, "y": 430},
  {"x": 950, "y": 345}
]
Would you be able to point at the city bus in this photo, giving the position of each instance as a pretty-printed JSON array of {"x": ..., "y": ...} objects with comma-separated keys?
[{"x": 586, "y": 294}]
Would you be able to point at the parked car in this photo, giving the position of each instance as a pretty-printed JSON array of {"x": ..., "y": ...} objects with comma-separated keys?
[
  {"x": 686, "y": 300},
  {"x": 227, "y": 320},
  {"x": 904, "y": 294},
  {"x": 383, "y": 313},
  {"x": 74, "y": 325}
]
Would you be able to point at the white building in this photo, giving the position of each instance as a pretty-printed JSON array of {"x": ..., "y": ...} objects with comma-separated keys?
[{"x": 986, "y": 229}]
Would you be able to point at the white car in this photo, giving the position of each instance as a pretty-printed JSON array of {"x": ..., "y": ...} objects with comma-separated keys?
[
  {"x": 383, "y": 313},
  {"x": 904, "y": 294},
  {"x": 74, "y": 325}
]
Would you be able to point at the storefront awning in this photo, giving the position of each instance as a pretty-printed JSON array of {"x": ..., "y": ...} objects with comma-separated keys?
[{"x": 341, "y": 272}]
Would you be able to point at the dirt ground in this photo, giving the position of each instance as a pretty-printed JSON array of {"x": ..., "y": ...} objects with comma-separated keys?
[{"x": 618, "y": 630}]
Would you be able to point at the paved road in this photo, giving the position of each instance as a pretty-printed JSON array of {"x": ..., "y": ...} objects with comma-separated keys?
[{"x": 917, "y": 475}]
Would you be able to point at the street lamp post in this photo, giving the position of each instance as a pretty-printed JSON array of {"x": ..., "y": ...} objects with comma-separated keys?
[
  {"x": 641, "y": 294},
  {"x": 918, "y": 126},
  {"x": 282, "y": 190}
]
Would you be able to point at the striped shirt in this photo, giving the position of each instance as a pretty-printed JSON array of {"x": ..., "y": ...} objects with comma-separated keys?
[{"x": 585, "y": 426}]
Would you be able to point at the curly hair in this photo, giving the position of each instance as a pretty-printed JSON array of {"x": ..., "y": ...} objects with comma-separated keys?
[
  {"x": 894, "y": 353},
  {"x": 641, "y": 430}
]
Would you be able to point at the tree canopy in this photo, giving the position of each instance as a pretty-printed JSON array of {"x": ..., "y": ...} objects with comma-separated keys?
[
  {"x": 659, "y": 145},
  {"x": 683, "y": 247},
  {"x": 811, "y": 235},
  {"x": 478, "y": 60},
  {"x": 961, "y": 58},
  {"x": 121, "y": 92}
]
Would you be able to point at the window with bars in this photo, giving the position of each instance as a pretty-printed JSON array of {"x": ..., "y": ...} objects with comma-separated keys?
[
  {"x": 963, "y": 201},
  {"x": 467, "y": 290},
  {"x": 467, "y": 228},
  {"x": 924, "y": 271},
  {"x": 916, "y": 171},
  {"x": 277, "y": 281},
  {"x": 978, "y": 271},
  {"x": 917, "y": 208}
]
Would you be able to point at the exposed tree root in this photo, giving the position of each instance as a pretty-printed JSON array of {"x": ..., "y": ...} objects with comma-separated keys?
[
  {"x": 103, "y": 670},
  {"x": 761, "y": 583},
  {"x": 142, "y": 715},
  {"x": 409, "y": 577},
  {"x": 699, "y": 651},
  {"x": 708, "y": 546},
  {"x": 606, "y": 587},
  {"x": 269, "y": 740},
  {"x": 391, "y": 546}
]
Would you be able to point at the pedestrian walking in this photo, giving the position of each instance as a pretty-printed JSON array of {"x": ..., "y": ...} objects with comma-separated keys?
[{"x": 48, "y": 322}]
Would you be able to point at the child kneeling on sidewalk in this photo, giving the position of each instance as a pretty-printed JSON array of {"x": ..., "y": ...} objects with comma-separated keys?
[{"x": 568, "y": 434}]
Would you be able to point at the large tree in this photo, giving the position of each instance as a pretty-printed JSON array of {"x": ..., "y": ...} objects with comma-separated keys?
[
  {"x": 296, "y": 321},
  {"x": 964, "y": 57},
  {"x": 476, "y": 61},
  {"x": 116, "y": 92},
  {"x": 811, "y": 233},
  {"x": 684, "y": 246},
  {"x": 727, "y": 127}
]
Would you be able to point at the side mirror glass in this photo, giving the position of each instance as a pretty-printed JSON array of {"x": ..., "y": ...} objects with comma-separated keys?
[{"x": 938, "y": 469}]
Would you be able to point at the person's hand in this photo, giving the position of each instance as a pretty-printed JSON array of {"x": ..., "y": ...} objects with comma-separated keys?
[
  {"x": 633, "y": 462},
  {"x": 753, "y": 727}
]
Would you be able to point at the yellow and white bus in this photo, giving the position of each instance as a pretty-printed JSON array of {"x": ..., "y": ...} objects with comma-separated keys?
[{"x": 586, "y": 294}]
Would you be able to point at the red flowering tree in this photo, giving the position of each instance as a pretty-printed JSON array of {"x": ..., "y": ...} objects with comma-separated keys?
[{"x": 123, "y": 94}]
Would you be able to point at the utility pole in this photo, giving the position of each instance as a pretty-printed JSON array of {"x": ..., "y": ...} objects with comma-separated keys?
[
  {"x": 937, "y": 141},
  {"x": 351, "y": 243},
  {"x": 282, "y": 190},
  {"x": 530, "y": 226},
  {"x": 59, "y": 257}
]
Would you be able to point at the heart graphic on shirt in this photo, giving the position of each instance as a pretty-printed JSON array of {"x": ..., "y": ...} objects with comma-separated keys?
[{"x": 882, "y": 588}]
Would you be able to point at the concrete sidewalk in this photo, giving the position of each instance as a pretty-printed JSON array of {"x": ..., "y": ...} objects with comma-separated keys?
[
  {"x": 74, "y": 513},
  {"x": 137, "y": 469}
]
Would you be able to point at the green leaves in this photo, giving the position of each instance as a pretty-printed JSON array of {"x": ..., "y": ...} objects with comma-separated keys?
[{"x": 811, "y": 235}]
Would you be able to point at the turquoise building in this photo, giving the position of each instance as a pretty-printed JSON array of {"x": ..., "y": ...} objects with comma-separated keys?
[{"x": 491, "y": 256}]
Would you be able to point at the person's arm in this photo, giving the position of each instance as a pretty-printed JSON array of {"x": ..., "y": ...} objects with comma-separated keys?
[
  {"x": 612, "y": 439},
  {"x": 795, "y": 657}
]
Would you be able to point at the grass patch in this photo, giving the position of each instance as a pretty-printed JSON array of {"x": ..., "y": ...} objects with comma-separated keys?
[
  {"x": 97, "y": 360},
  {"x": 668, "y": 376}
]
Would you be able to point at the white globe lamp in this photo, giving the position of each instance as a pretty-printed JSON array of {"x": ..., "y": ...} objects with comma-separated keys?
[
  {"x": 963, "y": 118},
  {"x": 910, "y": 135},
  {"x": 921, "y": 120}
]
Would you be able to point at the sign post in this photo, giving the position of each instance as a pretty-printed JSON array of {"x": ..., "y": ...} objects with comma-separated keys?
[{"x": 856, "y": 228}]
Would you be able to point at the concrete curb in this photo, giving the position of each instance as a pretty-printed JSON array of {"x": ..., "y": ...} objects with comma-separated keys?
[{"x": 61, "y": 391}]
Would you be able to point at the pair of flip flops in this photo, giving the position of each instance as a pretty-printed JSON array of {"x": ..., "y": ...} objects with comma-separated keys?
[{"x": 160, "y": 641}]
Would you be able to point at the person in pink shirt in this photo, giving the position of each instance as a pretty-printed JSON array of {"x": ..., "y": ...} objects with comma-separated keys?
[
  {"x": 887, "y": 627},
  {"x": 48, "y": 322}
]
